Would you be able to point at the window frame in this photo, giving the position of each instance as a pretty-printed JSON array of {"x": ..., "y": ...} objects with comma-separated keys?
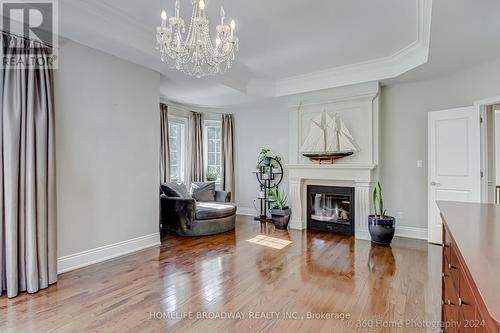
[
  {"x": 182, "y": 149},
  {"x": 206, "y": 125}
]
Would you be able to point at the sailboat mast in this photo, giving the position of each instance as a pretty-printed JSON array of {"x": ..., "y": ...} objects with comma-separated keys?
[
  {"x": 337, "y": 131},
  {"x": 338, "y": 138},
  {"x": 325, "y": 133}
]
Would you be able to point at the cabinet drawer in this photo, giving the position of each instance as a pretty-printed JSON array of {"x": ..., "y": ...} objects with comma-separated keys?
[
  {"x": 451, "y": 316},
  {"x": 454, "y": 267},
  {"x": 451, "y": 272},
  {"x": 467, "y": 305}
]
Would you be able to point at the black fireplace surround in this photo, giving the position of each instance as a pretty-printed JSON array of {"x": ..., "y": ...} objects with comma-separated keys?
[{"x": 330, "y": 208}]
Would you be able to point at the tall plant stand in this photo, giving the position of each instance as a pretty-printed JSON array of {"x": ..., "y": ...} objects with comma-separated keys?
[{"x": 269, "y": 175}]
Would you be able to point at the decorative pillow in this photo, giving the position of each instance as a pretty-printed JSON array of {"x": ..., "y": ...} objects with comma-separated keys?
[
  {"x": 203, "y": 191},
  {"x": 175, "y": 190}
]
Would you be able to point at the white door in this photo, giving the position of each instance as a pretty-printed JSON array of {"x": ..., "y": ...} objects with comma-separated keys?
[{"x": 454, "y": 161}]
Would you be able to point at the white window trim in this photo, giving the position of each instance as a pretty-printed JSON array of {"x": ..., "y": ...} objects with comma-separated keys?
[
  {"x": 183, "y": 148},
  {"x": 210, "y": 123}
]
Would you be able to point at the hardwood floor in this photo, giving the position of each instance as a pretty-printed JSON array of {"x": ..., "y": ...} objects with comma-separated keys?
[{"x": 225, "y": 275}]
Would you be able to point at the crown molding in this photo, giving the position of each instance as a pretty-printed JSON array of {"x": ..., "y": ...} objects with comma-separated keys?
[
  {"x": 366, "y": 91},
  {"x": 413, "y": 55},
  {"x": 111, "y": 14}
]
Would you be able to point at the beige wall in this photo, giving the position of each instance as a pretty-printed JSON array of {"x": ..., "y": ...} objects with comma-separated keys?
[
  {"x": 404, "y": 133},
  {"x": 107, "y": 128}
]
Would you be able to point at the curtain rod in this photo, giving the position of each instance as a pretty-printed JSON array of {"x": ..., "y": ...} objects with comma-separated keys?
[
  {"x": 11, "y": 34},
  {"x": 182, "y": 107}
]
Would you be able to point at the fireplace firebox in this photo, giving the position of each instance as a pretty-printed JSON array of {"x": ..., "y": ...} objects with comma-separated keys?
[{"x": 330, "y": 208}]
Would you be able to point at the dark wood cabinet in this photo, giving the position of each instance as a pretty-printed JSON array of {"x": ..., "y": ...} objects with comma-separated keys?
[{"x": 464, "y": 309}]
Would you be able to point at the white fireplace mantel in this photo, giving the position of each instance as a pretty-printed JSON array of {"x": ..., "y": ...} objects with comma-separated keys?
[
  {"x": 360, "y": 177},
  {"x": 359, "y": 171}
]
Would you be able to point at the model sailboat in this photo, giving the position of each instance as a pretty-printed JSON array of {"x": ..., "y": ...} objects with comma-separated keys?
[{"x": 329, "y": 139}]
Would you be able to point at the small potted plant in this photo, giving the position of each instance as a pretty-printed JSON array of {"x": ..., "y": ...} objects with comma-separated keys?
[
  {"x": 212, "y": 174},
  {"x": 381, "y": 226},
  {"x": 264, "y": 157},
  {"x": 280, "y": 212}
]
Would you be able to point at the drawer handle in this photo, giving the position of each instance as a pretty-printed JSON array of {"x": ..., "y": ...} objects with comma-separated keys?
[
  {"x": 450, "y": 267},
  {"x": 461, "y": 302},
  {"x": 443, "y": 275},
  {"x": 448, "y": 302}
]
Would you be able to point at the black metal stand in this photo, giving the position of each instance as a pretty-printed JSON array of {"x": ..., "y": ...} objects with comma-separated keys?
[{"x": 269, "y": 176}]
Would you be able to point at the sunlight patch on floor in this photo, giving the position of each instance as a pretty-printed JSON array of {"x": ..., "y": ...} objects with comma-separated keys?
[{"x": 275, "y": 243}]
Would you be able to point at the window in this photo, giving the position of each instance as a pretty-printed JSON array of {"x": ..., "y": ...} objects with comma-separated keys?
[
  {"x": 213, "y": 159},
  {"x": 177, "y": 135}
]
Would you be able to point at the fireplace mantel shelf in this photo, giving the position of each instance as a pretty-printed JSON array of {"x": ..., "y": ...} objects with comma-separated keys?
[{"x": 332, "y": 166}]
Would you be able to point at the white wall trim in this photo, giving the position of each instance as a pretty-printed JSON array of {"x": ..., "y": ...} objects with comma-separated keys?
[
  {"x": 401, "y": 231},
  {"x": 246, "y": 211},
  {"x": 93, "y": 256},
  {"x": 411, "y": 232},
  {"x": 488, "y": 101}
]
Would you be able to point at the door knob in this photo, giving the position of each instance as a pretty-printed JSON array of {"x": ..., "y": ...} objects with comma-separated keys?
[{"x": 435, "y": 184}]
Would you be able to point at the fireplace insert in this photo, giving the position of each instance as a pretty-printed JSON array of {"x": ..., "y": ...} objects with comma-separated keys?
[{"x": 330, "y": 208}]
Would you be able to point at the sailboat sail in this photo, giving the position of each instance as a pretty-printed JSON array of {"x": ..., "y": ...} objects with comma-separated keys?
[
  {"x": 333, "y": 142},
  {"x": 315, "y": 140},
  {"x": 328, "y": 135},
  {"x": 346, "y": 140}
]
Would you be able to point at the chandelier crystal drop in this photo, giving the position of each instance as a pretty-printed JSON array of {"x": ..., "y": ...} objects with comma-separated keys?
[{"x": 195, "y": 54}]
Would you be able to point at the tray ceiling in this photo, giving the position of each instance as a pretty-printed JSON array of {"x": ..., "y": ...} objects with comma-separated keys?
[{"x": 286, "y": 47}]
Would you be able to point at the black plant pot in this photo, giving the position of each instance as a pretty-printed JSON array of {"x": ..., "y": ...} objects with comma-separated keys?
[
  {"x": 381, "y": 230},
  {"x": 281, "y": 217}
]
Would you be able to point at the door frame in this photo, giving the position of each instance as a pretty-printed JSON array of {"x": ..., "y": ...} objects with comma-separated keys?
[{"x": 482, "y": 104}]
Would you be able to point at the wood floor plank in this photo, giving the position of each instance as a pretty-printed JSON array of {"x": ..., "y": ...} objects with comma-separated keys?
[{"x": 188, "y": 284}]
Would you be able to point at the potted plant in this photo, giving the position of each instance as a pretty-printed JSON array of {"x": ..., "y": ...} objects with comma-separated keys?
[
  {"x": 264, "y": 157},
  {"x": 380, "y": 225},
  {"x": 280, "y": 212},
  {"x": 212, "y": 174}
]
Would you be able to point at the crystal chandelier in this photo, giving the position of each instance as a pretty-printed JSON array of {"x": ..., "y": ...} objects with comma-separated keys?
[{"x": 196, "y": 55}]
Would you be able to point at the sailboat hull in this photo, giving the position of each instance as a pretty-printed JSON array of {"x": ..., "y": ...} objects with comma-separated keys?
[{"x": 327, "y": 157}]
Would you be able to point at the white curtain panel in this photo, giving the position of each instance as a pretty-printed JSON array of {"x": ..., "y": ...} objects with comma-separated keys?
[{"x": 28, "y": 244}]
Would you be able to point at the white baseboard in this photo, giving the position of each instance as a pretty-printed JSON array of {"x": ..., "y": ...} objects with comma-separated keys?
[
  {"x": 363, "y": 235},
  {"x": 93, "y": 256},
  {"x": 405, "y": 232},
  {"x": 411, "y": 232},
  {"x": 246, "y": 211}
]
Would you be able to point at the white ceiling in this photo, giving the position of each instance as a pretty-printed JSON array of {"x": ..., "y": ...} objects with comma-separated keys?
[{"x": 294, "y": 46}]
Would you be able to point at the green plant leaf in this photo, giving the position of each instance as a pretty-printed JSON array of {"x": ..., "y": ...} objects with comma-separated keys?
[
  {"x": 378, "y": 201},
  {"x": 280, "y": 198}
]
